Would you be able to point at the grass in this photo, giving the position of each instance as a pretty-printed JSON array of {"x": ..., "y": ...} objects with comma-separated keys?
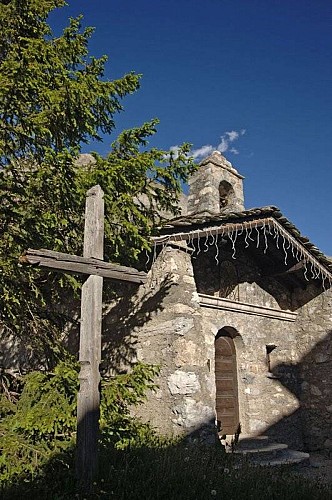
[{"x": 177, "y": 471}]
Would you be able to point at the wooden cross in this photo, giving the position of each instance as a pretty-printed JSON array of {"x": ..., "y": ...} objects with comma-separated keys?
[{"x": 91, "y": 263}]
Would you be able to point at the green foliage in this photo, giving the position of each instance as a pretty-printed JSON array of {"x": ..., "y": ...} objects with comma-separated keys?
[
  {"x": 52, "y": 93},
  {"x": 119, "y": 394},
  {"x": 47, "y": 406},
  {"x": 53, "y": 99},
  {"x": 42, "y": 423}
]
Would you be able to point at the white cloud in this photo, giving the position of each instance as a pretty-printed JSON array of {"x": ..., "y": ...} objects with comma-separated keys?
[
  {"x": 202, "y": 152},
  {"x": 232, "y": 136},
  {"x": 224, "y": 145}
]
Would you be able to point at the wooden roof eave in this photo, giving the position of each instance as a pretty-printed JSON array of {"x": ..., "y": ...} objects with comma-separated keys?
[{"x": 224, "y": 227}]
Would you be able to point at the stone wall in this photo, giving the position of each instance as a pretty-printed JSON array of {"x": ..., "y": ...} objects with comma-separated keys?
[
  {"x": 263, "y": 399},
  {"x": 246, "y": 283},
  {"x": 293, "y": 404},
  {"x": 314, "y": 348},
  {"x": 164, "y": 323},
  {"x": 166, "y": 329}
]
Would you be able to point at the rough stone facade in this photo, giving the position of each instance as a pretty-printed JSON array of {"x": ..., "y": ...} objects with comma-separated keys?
[
  {"x": 314, "y": 359},
  {"x": 166, "y": 319},
  {"x": 216, "y": 186},
  {"x": 281, "y": 327}
]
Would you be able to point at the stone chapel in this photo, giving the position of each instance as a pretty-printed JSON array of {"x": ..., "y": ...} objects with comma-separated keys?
[{"x": 237, "y": 312}]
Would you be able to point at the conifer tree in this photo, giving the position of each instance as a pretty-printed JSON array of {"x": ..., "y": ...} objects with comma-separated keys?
[{"x": 54, "y": 99}]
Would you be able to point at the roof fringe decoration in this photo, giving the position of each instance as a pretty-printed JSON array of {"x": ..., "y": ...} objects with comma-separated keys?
[{"x": 256, "y": 231}]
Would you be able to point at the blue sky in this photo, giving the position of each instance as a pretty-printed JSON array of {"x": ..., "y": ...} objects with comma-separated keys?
[{"x": 260, "y": 68}]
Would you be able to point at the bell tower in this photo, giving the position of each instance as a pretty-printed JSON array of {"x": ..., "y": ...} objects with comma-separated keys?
[{"x": 216, "y": 187}]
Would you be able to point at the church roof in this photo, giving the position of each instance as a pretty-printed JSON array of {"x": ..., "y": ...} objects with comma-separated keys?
[{"x": 268, "y": 222}]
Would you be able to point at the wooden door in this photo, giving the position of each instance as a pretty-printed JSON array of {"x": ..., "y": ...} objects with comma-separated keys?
[{"x": 227, "y": 406}]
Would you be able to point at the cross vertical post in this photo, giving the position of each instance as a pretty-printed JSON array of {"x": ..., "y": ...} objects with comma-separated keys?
[
  {"x": 88, "y": 400},
  {"x": 91, "y": 264}
]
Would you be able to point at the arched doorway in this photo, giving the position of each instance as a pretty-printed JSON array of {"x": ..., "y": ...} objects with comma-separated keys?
[{"x": 227, "y": 405}]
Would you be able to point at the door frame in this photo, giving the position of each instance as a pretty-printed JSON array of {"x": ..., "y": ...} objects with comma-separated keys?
[{"x": 228, "y": 333}]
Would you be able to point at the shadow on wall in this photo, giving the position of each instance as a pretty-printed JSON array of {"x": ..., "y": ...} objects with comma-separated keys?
[
  {"x": 124, "y": 317},
  {"x": 310, "y": 381},
  {"x": 227, "y": 271},
  {"x": 128, "y": 307},
  {"x": 11, "y": 351}
]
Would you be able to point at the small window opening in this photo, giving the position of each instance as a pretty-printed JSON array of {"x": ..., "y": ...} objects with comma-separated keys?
[{"x": 269, "y": 349}]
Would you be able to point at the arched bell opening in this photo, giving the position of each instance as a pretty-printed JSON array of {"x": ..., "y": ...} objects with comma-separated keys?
[{"x": 226, "y": 195}]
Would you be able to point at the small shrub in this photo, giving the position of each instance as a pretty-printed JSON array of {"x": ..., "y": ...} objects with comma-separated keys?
[{"x": 41, "y": 424}]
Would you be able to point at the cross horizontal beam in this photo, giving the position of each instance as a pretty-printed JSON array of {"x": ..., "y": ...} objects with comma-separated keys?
[{"x": 58, "y": 261}]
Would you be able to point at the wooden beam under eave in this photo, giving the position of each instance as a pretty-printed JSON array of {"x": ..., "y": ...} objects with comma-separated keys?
[
  {"x": 57, "y": 261},
  {"x": 297, "y": 267}
]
